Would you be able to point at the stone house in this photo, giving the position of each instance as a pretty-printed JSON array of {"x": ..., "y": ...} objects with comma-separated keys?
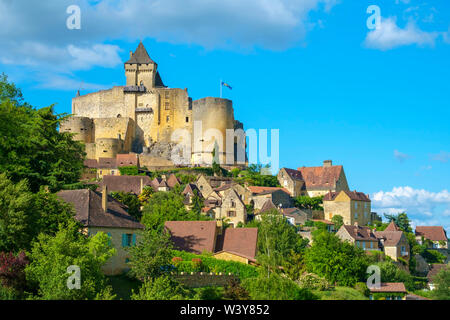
[
  {"x": 107, "y": 167},
  {"x": 205, "y": 236},
  {"x": 127, "y": 160},
  {"x": 292, "y": 181},
  {"x": 280, "y": 197},
  {"x": 362, "y": 237},
  {"x": 189, "y": 192},
  {"x": 294, "y": 216},
  {"x": 99, "y": 212},
  {"x": 321, "y": 180},
  {"x": 435, "y": 234},
  {"x": 353, "y": 206},
  {"x": 434, "y": 270},
  {"x": 207, "y": 184},
  {"x": 232, "y": 208},
  {"x": 393, "y": 242}
]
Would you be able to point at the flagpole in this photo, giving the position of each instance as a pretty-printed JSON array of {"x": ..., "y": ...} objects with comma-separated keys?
[{"x": 220, "y": 88}]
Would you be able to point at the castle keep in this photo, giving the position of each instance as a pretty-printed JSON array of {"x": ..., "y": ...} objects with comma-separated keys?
[{"x": 142, "y": 116}]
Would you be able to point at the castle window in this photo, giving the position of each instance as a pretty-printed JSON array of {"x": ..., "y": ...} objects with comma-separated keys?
[
  {"x": 187, "y": 119},
  {"x": 168, "y": 119},
  {"x": 119, "y": 116},
  {"x": 167, "y": 105}
]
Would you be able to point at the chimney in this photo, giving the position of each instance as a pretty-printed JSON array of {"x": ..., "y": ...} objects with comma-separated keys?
[
  {"x": 327, "y": 163},
  {"x": 105, "y": 198},
  {"x": 142, "y": 185},
  {"x": 131, "y": 54}
]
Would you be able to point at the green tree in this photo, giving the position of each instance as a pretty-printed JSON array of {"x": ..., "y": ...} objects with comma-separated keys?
[
  {"x": 401, "y": 220},
  {"x": 275, "y": 287},
  {"x": 306, "y": 202},
  {"x": 151, "y": 255},
  {"x": 131, "y": 201},
  {"x": 197, "y": 203},
  {"x": 338, "y": 221},
  {"x": 442, "y": 283},
  {"x": 130, "y": 171},
  {"x": 337, "y": 261},
  {"x": 52, "y": 255},
  {"x": 277, "y": 240},
  {"x": 24, "y": 215},
  {"x": 161, "y": 288},
  {"x": 9, "y": 91}
]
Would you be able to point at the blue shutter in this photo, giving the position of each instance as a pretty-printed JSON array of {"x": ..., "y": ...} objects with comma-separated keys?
[
  {"x": 124, "y": 240},
  {"x": 134, "y": 239},
  {"x": 110, "y": 237}
]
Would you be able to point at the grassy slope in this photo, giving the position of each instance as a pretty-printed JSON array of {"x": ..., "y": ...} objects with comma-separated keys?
[{"x": 340, "y": 293}]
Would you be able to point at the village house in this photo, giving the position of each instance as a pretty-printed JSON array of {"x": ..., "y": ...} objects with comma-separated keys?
[
  {"x": 352, "y": 206},
  {"x": 205, "y": 236},
  {"x": 321, "y": 180},
  {"x": 393, "y": 242},
  {"x": 99, "y": 212},
  {"x": 164, "y": 183},
  {"x": 189, "y": 192},
  {"x": 127, "y": 184},
  {"x": 107, "y": 167},
  {"x": 389, "y": 291},
  {"x": 294, "y": 216},
  {"x": 435, "y": 234},
  {"x": 362, "y": 237},
  {"x": 207, "y": 184},
  {"x": 127, "y": 160},
  {"x": 292, "y": 181},
  {"x": 280, "y": 197},
  {"x": 232, "y": 209}
]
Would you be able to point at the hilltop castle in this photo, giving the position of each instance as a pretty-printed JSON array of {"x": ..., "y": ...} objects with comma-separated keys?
[{"x": 142, "y": 116}]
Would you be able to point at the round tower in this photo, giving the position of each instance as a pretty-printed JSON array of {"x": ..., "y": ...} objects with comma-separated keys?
[{"x": 82, "y": 127}]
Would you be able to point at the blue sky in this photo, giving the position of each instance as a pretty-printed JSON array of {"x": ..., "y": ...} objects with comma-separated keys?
[{"x": 376, "y": 101}]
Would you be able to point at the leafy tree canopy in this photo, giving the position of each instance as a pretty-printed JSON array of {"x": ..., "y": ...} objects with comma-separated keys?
[
  {"x": 401, "y": 220},
  {"x": 305, "y": 202}
]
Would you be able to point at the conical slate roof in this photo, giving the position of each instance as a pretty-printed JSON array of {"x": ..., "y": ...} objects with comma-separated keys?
[{"x": 140, "y": 56}]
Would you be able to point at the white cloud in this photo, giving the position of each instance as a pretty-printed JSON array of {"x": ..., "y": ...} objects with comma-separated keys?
[
  {"x": 401, "y": 156},
  {"x": 388, "y": 36},
  {"x": 422, "y": 206},
  {"x": 441, "y": 156}
]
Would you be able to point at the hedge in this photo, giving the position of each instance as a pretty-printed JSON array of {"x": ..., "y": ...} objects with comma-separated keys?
[{"x": 210, "y": 264}]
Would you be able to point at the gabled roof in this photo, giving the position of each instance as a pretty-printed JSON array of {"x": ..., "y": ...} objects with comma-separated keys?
[
  {"x": 129, "y": 159},
  {"x": 240, "y": 241},
  {"x": 140, "y": 56},
  {"x": 390, "y": 287},
  {"x": 360, "y": 233},
  {"x": 390, "y": 238},
  {"x": 193, "y": 236},
  {"x": 268, "y": 205},
  {"x": 163, "y": 184},
  {"x": 190, "y": 189},
  {"x": 434, "y": 233},
  {"x": 392, "y": 227},
  {"x": 266, "y": 190},
  {"x": 320, "y": 177},
  {"x": 435, "y": 269},
  {"x": 89, "y": 210},
  {"x": 294, "y": 174},
  {"x": 172, "y": 181},
  {"x": 125, "y": 183},
  {"x": 354, "y": 195}
]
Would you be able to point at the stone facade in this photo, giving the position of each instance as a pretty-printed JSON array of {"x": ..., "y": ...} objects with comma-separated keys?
[
  {"x": 351, "y": 210},
  {"x": 145, "y": 112},
  {"x": 232, "y": 208}
]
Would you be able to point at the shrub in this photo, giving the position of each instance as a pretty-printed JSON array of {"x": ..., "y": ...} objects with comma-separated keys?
[
  {"x": 12, "y": 271},
  {"x": 7, "y": 293},
  {"x": 362, "y": 288},
  {"x": 176, "y": 260},
  {"x": 313, "y": 282}
]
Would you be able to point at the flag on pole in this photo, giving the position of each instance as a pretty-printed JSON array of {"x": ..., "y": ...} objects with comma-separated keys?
[{"x": 226, "y": 85}]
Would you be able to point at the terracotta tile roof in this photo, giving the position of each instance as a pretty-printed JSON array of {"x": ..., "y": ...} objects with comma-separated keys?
[
  {"x": 435, "y": 233},
  {"x": 320, "y": 177},
  {"x": 91, "y": 163},
  {"x": 266, "y": 190},
  {"x": 216, "y": 182},
  {"x": 172, "y": 181},
  {"x": 392, "y": 227},
  {"x": 89, "y": 211},
  {"x": 435, "y": 268},
  {"x": 360, "y": 233},
  {"x": 107, "y": 163},
  {"x": 190, "y": 189},
  {"x": 125, "y": 183},
  {"x": 294, "y": 174},
  {"x": 390, "y": 238},
  {"x": 163, "y": 184},
  {"x": 395, "y": 287},
  {"x": 354, "y": 195},
  {"x": 240, "y": 241},
  {"x": 193, "y": 236},
  {"x": 130, "y": 159}
]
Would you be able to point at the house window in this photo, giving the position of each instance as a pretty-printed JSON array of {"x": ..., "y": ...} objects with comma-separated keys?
[
  {"x": 112, "y": 172},
  {"x": 356, "y": 215},
  {"x": 187, "y": 119},
  {"x": 356, "y": 205},
  {"x": 357, "y": 244},
  {"x": 233, "y": 204},
  {"x": 128, "y": 239},
  {"x": 371, "y": 245},
  {"x": 168, "y": 119},
  {"x": 364, "y": 245},
  {"x": 231, "y": 214}
]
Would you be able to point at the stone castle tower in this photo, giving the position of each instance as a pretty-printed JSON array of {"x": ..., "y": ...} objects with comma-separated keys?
[{"x": 145, "y": 113}]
